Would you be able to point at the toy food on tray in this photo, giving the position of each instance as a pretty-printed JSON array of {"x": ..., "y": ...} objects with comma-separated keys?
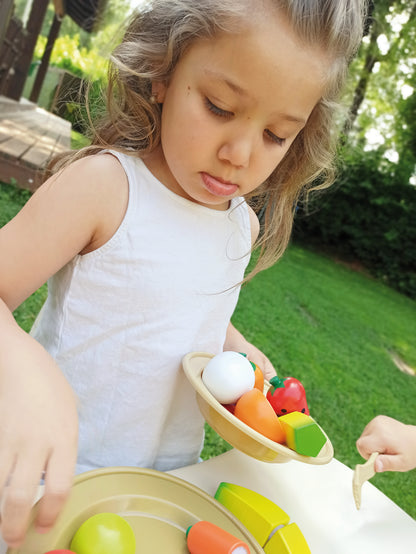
[
  {"x": 281, "y": 415},
  {"x": 266, "y": 521},
  {"x": 204, "y": 537},
  {"x": 127, "y": 510},
  {"x": 277, "y": 410},
  {"x": 104, "y": 533}
]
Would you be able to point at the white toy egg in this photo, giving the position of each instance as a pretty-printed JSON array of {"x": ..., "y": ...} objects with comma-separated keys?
[{"x": 228, "y": 376}]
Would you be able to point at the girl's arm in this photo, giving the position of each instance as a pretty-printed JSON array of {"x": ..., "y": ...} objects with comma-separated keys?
[
  {"x": 74, "y": 212},
  {"x": 39, "y": 431},
  {"x": 395, "y": 441}
]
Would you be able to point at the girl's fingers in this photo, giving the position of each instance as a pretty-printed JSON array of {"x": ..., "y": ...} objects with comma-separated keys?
[
  {"x": 18, "y": 499},
  {"x": 58, "y": 482}
]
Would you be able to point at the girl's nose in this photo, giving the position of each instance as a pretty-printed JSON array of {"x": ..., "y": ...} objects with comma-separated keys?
[{"x": 237, "y": 150}]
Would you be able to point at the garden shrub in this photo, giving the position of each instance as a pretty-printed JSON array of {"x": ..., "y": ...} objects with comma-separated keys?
[{"x": 368, "y": 215}]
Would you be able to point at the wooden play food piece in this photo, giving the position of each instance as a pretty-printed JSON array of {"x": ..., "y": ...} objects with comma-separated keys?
[
  {"x": 257, "y": 513},
  {"x": 258, "y": 377},
  {"x": 287, "y": 395},
  {"x": 104, "y": 533},
  {"x": 206, "y": 538},
  {"x": 287, "y": 540},
  {"x": 303, "y": 434},
  {"x": 227, "y": 376},
  {"x": 255, "y": 410},
  {"x": 60, "y": 552},
  {"x": 268, "y": 523},
  {"x": 158, "y": 506},
  {"x": 236, "y": 432},
  {"x": 362, "y": 473}
]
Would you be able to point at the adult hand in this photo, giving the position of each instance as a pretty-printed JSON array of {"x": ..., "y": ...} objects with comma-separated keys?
[{"x": 395, "y": 442}]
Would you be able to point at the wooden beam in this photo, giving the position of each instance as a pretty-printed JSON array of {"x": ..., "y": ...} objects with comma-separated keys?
[
  {"x": 33, "y": 28},
  {"x": 6, "y": 10},
  {"x": 42, "y": 69}
]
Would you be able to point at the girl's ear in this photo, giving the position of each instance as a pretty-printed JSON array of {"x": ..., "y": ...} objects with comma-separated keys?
[{"x": 158, "y": 91}]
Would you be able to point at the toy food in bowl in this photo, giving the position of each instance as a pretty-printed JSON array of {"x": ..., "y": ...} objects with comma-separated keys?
[
  {"x": 104, "y": 533},
  {"x": 159, "y": 508},
  {"x": 227, "y": 376},
  {"x": 237, "y": 432}
]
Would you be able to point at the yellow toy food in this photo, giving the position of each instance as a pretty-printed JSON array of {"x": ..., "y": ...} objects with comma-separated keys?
[
  {"x": 256, "y": 512},
  {"x": 287, "y": 540},
  {"x": 268, "y": 523}
]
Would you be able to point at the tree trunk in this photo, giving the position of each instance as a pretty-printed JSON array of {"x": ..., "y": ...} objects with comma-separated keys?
[{"x": 372, "y": 56}]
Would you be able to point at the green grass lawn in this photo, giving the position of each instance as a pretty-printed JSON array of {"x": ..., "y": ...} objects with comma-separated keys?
[
  {"x": 332, "y": 328},
  {"x": 335, "y": 330}
]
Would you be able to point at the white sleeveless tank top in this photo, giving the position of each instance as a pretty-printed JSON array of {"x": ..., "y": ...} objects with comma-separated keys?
[{"x": 118, "y": 321}]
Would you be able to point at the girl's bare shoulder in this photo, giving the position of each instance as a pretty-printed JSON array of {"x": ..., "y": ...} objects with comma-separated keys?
[
  {"x": 101, "y": 184},
  {"x": 74, "y": 212},
  {"x": 93, "y": 194}
]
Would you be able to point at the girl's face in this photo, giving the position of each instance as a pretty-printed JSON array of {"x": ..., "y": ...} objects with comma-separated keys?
[{"x": 231, "y": 110}]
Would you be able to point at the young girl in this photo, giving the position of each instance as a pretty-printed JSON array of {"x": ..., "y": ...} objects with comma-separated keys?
[{"x": 146, "y": 235}]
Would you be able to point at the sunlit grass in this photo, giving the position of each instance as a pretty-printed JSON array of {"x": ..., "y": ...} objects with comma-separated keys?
[{"x": 334, "y": 329}]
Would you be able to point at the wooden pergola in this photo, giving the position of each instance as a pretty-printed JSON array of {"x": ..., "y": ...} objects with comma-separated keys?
[
  {"x": 31, "y": 136},
  {"x": 17, "y": 43}
]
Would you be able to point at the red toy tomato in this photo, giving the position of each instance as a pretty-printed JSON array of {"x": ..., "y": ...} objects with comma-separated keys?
[{"x": 287, "y": 395}]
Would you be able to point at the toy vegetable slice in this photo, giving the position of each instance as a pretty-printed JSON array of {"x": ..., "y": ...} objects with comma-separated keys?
[
  {"x": 206, "y": 538},
  {"x": 254, "y": 409}
]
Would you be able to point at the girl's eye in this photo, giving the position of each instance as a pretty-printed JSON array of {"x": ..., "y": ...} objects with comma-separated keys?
[
  {"x": 274, "y": 138},
  {"x": 216, "y": 110}
]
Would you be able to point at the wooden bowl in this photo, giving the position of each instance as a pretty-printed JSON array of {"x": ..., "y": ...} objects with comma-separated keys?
[{"x": 236, "y": 432}]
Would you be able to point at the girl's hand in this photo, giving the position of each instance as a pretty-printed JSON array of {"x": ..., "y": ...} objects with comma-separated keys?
[
  {"x": 235, "y": 341},
  {"x": 395, "y": 441},
  {"x": 38, "y": 434}
]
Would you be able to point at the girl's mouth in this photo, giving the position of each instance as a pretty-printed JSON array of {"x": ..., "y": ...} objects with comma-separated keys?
[{"x": 217, "y": 186}]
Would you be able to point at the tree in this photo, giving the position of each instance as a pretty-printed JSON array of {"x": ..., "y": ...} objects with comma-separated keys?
[{"x": 385, "y": 82}]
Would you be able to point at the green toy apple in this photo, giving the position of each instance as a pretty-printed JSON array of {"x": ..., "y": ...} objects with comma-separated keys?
[
  {"x": 104, "y": 533},
  {"x": 60, "y": 552}
]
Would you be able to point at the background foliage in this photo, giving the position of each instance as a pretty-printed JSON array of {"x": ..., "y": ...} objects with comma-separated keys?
[{"x": 369, "y": 214}]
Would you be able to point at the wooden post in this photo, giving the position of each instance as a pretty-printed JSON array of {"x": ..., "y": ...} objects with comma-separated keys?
[
  {"x": 33, "y": 28},
  {"x": 6, "y": 10},
  {"x": 42, "y": 69}
]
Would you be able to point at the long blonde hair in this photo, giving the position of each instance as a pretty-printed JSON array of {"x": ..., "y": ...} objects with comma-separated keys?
[{"x": 156, "y": 38}]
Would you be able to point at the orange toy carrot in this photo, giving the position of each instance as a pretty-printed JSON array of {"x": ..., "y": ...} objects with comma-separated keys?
[
  {"x": 258, "y": 376},
  {"x": 206, "y": 538},
  {"x": 255, "y": 410}
]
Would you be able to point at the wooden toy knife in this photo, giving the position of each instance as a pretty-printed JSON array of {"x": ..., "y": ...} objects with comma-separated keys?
[{"x": 362, "y": 473}]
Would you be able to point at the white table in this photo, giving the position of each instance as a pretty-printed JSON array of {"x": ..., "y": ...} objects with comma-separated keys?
[{"x": 319, "y": 499}]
